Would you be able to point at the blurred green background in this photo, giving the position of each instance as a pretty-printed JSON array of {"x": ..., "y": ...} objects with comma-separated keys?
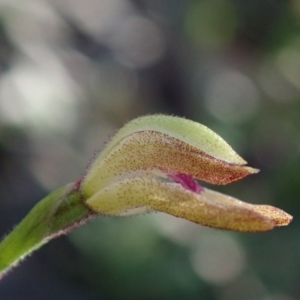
[{"x": 72, "y": 72}]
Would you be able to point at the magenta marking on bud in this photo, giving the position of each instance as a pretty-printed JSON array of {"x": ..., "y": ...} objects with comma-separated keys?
[{"x": 187, "y": 181}]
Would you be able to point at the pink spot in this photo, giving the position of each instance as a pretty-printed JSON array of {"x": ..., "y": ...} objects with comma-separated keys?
[{"x": 187, "y": 182}]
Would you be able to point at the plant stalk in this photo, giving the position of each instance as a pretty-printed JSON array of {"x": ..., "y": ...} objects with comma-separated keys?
[{"x": 56, "y": 214}]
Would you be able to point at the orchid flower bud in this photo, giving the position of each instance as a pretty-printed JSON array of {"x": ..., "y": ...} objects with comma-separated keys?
[{"x": 152, "y": 164}]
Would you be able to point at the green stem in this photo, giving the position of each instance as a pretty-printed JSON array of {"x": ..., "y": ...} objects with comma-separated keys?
[{"x": 54, "y": 215}]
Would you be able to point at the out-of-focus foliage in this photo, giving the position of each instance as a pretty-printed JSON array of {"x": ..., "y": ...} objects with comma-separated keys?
[{"x": 73, "y": 71}]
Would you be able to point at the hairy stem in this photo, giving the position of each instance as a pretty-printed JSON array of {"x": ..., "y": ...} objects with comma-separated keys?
[{"x": 53, "y": 216}]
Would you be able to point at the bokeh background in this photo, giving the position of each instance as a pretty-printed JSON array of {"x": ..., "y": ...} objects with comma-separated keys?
[{"x": 73, "y": 71}]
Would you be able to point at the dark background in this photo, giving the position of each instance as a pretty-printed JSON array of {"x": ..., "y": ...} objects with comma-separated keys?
[{"x": 73, "y": 71}]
